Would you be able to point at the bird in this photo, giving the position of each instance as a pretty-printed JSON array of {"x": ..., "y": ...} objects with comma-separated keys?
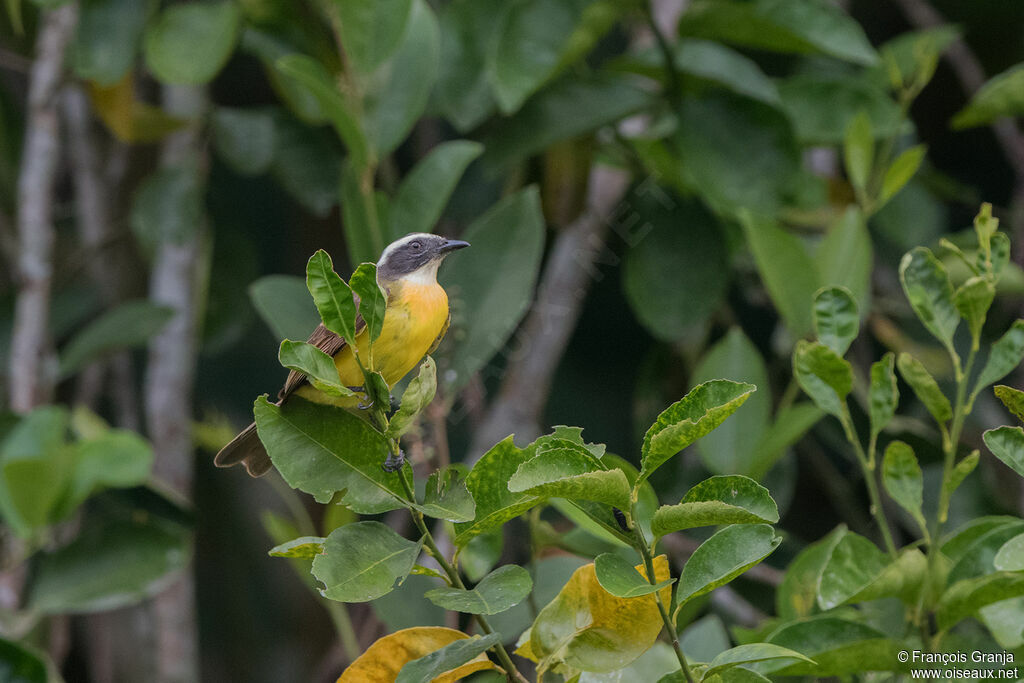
[{"x": 415, "y": 322}]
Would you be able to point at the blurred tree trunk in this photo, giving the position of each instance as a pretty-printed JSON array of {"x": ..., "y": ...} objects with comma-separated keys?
[
  {"x": 31, "y": 371},
  {"x": 175, "y": 281}
]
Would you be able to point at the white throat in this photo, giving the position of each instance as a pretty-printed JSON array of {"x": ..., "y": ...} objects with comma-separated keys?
[{"x": 425, "y": 275}]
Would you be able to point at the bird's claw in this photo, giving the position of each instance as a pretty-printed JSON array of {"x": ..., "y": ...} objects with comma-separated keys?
[{"x": 394, "y": 461}]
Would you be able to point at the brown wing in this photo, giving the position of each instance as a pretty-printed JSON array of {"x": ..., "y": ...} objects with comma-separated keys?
[{"x": 326, "y": 341}]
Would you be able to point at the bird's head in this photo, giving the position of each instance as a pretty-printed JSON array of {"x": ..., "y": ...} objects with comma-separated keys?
[{"x": 415, "y": 257}]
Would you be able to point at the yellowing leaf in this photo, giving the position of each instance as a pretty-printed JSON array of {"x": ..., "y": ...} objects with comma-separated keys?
[
  {"x": 586, "y": 628},
  {"x": 129, "y": 119},
  {"x": 385, "y": 658}
]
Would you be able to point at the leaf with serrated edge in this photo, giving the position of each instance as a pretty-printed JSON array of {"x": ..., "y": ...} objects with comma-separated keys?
[
  {"x": 488, "y": 484},
  {"x": 972, "y": 300},
  {"x": 700, "y": 411},
  {"x": 572, "y": 474},
  {"x": 447, "y": 497},
  {"x": 726, "y": 499}
]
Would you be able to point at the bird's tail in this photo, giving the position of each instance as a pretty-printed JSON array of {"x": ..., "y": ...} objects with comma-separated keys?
[{"x": 246, "y": 448}]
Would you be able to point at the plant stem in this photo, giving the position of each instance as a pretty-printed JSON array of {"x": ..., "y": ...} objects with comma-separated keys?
[
  {"x": 453, "y": 577},
  {"x": 645, "y": 552},
  {"x": 868, "y": 468},
  {"x": 960, "y": 410}
]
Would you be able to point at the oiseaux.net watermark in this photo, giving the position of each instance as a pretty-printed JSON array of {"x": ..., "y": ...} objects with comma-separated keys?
[{"x": 960, "y": 665}]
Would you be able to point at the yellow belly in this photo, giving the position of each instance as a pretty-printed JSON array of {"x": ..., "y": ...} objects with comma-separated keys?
[{"x": 416, "y": 316}]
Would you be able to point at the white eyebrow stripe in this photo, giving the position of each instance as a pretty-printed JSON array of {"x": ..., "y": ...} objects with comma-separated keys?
[{"x": 390, "y": 249}]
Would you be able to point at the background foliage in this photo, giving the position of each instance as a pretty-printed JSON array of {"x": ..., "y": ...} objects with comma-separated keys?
[{"x": 658, "y": 196}]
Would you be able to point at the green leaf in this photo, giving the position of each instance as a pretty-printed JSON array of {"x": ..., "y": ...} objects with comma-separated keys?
[
  {"x": 797, "y": 595},
  {"x": 720, "y": 559},
  {"x": 304, "y": 548},
  {"x": 731, "y": 499},
  {"x": 973, "y": 299},
  {"x": 682, "y": 250},
  {"x": 244, "y": 138},
  {"x": 117, "y": 458},
  {"x": 488, "y": 484},
  {"x": 333, "y": 298},
  {"x": 372, "y": 300},
  {"x": 823, "y": 376},
  {"x": 107, "y": 38},
  {"x": 569, "y": 471},
  {"x": 791, "y": 423},
  {"x": 659, "y": 661},
  {"x": 129, "y": 325},
  {"x": 1004, "y": 356},
  {"x": 883, "y": 394},
  {"x": 318, "y": 367},
  {"x": 925, "y": 387},
  {"x": 1010, "y": 557},
  {"x": 35, "y": 469},
  {"x": 1012, "y": 398},
  {"x": 859, "y": 151},
  {"x": 902, "y": 479},
  {"x": 838, "y": 646},
  {"x": 284, "y": 305},
  {"x": 567, "y": 109},
  {"x": 124, "y": 554},
  {"x": 307, "y": 164},
  {"x": 168, "y": 206},
  {"x": 964, "y": 598},
  {"x": 823, "y": 106},
  {"x": 468, "y": 32},
  {"x": 447, "y": 497},
  {"x": 493, "y": 289},
  {"x": 713, "y": 139},
  {"x": 19, "y": 664},
  {"x": 836, "y": 321},
  {"x": 1000, "y": 96},
  {"x": 961, "y": 471},
  {"x": 789, "y": 273},
  {"x": 500, "y": 590},
  {"x": 434, "y": 665},
  {"x": 790, "y": 26},
  {"x": 538, "y": 40},
  {"x": 853, "y": 563},
  {"x": 845, "y": 256},
  {"x": 910, "y": 58},
  {"x": 731, "y": 447},
  {"x": 900, "y": 172},
  {"x": 311, "y": 75},
  {"x": 321, "y": 450},
  {"x": 1007, "y": 444},
  {"x": 621, "y": 579},
  {"x": 397, "y": 92},
  {"x": 189, "y": 44},
  {"x": 371, "y": 32},
  {"x": 985, "y": 226},
  {"x": 749, "y": 654},
  {"x": 481, "y": 554},
  {"x": 360, "y": 215},
  {"x": 930, "y": 293},
  {"x": 424, "y": 192},
  {"x": 363, "y": 561},
  {"x": 703, "y": 409},
  {"x": 586, "y": 628},
  {"x": 417, "y": 396}
]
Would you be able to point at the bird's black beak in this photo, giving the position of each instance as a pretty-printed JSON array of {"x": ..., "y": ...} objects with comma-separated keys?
[{"x": 452, "y": 245}]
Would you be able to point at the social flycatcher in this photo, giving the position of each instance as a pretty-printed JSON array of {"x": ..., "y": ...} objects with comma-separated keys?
[{"x": 416, "y": 321}]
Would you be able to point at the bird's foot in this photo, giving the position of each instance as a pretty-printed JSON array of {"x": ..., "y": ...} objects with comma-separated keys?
[{"x": 394, "y": 461}]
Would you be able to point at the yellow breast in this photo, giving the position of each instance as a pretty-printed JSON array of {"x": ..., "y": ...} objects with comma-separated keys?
[{"x": 416, "y": 315}]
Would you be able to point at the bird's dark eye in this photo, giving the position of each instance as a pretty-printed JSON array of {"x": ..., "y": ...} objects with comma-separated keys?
[{"x": 416, "y": 245}]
